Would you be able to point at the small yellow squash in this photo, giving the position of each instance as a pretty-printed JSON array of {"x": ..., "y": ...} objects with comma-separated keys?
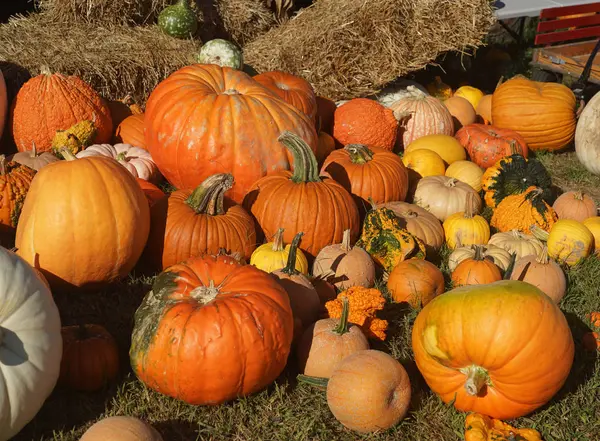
[
  {"x": 273, "y": 256},
  {"x": 444, "y": 145},
  {"x": 467, "y": 227},
  {"x": 568, "y": 241},
  {"x": 467, "y": 172}
]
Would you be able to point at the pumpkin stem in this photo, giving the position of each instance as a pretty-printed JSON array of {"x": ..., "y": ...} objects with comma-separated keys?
[
  {"x": 2, "y": 165},
  {"x": 290, "y": 267},
  {"x": 45, "y": 70},
  {"x": 469, "y": 206},
  {"x": 67, "y": 154},
  {"x": 33, "y": 150},
  {"x": 313, "y": 381},
  {"x": 478, "y": 252},
  {"x": 121, "y": 156},
  {"x": 342, "y": 328},
  {"x": 542, "y": 257},
  {"x": 477, "y": 377},
  {"x": 208, "y": 197},
  {"x": 451, "y": 182},
  {"x": 346, "y": 246},
  {"x": 306, "y": 168},
  {"x": 578, "y": 195},
  {"x": 359, "y": 153},
  {"x": 205, "y": 294},
  {"x": 278, "y": 240},
  {"x": 512, "y": 145},
  {"x": 539, "y": 233}
]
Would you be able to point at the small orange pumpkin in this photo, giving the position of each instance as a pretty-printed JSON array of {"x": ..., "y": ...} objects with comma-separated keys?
[
  {"x": 476, "y": 270},
  {"x": 415, "y": 281},
  {"x": 575, "y": 205},
  {"x": 131, "y": 131}
]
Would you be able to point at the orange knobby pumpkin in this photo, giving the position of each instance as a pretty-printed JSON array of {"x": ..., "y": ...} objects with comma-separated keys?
[
  {"x": 319, "y": 207},
  {"x": 292, "y": 89},
  {"x": 368, "y": 174},
  {"x": 502, "y": 349},
  {"x": 15, "y": 180},
  {"x": 206, "y": 119},
  {"x": 194, "y": 222},
  {"x": 131, "y": 131},
  {"x": 51, "y": 102},
  {"x": 487, "y": 144},
  {"x": 211, "y": 330}
]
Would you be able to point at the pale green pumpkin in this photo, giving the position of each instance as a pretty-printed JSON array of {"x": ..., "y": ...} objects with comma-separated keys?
[{"x": 221, "y": 52}]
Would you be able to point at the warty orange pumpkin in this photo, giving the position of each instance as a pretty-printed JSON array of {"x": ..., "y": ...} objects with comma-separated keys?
[
  {"x": 469, "y": 347},
  {"x": 15, "y": 180},
  {"x": 207, "y": 119},
  {"x": 488, "y": 144},
  {"x": 206, "y": 314}
]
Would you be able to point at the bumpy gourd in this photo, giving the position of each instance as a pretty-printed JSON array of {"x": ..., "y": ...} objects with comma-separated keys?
[
  {"x": 521, "y": 211},
  {"x": 75, "y": 138},
  {"x": 480, "y": 427}
]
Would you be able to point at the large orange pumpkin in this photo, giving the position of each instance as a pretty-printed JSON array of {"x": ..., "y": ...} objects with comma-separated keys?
[
  {"x": 502, "y": 349},
  {"x": 543, "y": 113},
  {"x": 211, "y": 330},
  {"x": 207, "y": 119},
  {"x": 302, "y": 201},
  {"x": 195, "y": 222},
  {"x": 292, "y": 89},
  {"x": 368, "y": 174},
  {"x": 50, "y": 102},
  {"x": 488, "y": 144},
  {"x": 88, "y": 234},
  {"x": 131, "y": 131}
]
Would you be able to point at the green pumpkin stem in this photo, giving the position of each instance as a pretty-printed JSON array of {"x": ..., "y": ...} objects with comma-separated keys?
[
  {"x": 313, "y": 381},
  {"x": 278, "y": 240},
  {"x": 290, "y": 267},
  {"x": 539, "y": 233},
  {"x": 359, "y": 153},
  {"x": 342, "y": 328},
  {"x": 121, "y": 156},
  {"x": 306, "y": 168},
  {"x": 67, "y": 154},
  {"x": 208, "y": 197}
]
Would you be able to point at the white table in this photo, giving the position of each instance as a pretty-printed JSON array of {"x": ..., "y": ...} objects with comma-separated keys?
[{"x": 531, "y": 8}]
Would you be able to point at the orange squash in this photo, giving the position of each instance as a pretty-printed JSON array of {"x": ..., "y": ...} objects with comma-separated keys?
[{"x": 461, "y": 110}]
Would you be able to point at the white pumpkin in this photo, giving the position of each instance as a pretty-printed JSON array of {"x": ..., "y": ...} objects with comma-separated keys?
[
  {"x": 587, "y": 136},
  {"x": 396, "y": 91},
  {"x": 443, "y": 196},
  {"x": 138, "y": 161},
  {"x": 518, "y": 243},
  {"x": 30, "y": 343},
  {"x": 499, "y": 256}
]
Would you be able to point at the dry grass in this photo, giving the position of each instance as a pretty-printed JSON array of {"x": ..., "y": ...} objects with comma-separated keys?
[
  {"x": 116, "y": 60},
  {"x": 353, "y": 48},
  {"x": 245, "y": 20}
]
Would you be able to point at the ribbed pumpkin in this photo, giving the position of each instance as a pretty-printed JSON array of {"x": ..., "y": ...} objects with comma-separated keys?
[
  {"x": 272, "y": 256},
  {"x": 369, "y": 174},
  {"x": 476, "y": 270},
  {"x": 575, "y": 205},
  {"x": 467, "y": 172},
  {"x": 51, "y": 102},
  {"x": 443, "y": 196},
  {"x": 497, "y": 255},
  {"x": 543, "y": 273},
  {"x": 444, "y": 145},
  {"x": 325, "y": 147},
  {"x": 593, "y": 224},
  {"x": 461, "y": 110},
  {"x": 487, "y": 144},
  {"x": 425, "y": 115},
  {"x": 131, "y": 131},
  {"x": 33, "y": 159},
  {"x": 292, "y": 89},
  {"x": 15, "y": 180},
  {"x": 469, "y": 347},
  {"x": 543, "y": 113},
  {"x": 518, "y": 243},
  {"x": 226, "y": 315},
  {"x": 319, "y": 207},
  {"x": 466, "y": 228},
  {"x": 587, "y": 136},
  {"x": 484, "y": 109},
  {"x": 522, "y": 211},
  {"x": 419, "y": 222},
  {"x": 415, "y": 281},
  {"x": 207, "y": 119},
  {"x": 568, "y": 241},
  {"x": 104, "y": 224},
  {"x": 123, "y": 428},
  {"x": 152, "y": 192},
  {"x": 191, "y": 223}
]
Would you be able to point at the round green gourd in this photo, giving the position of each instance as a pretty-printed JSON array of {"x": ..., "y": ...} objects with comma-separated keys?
[
  {"x": 221, "y": 52},
  {"x": 178, "y": 20}
]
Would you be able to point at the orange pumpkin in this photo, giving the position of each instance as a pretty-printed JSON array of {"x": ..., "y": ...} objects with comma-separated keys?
[
  {"x": 488, "y": 144},
  {"x": 152, "y": 192},
  {"x": 103, "y": 224},
  {"x": 206, "y": 119},
  {"x": 90, "y": 357},
  {"x": 368, "y": 174},
  {"x": 15, "y": 180},
  {"x": 543, "y": 113},
  {"x": 131, "y": 131},
  {"x": 121, "y": 109},
  {"x": 292, "y": 89},
  {"x": 469, "y": 345},
  {"x": 476, "y": 270},
  {"x": 190, "y": 223},
  {"x": 416, "y": 282},
  {"x": 325, "y": 147},
  {"x": 319, "y": 207},
  {"x": 484, "y": 109},
  {"x": 51, "y": 102},
  {"x": 225, "y": 315},
  {"x": 325, "y": 111},
  {"x": 575, "y": 205},
  {"x": 461, "y": 110}
]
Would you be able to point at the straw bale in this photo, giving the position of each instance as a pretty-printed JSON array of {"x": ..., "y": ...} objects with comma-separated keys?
[
  {"x": 115, "y": 60},
  {"x": 349, "y": 48}
]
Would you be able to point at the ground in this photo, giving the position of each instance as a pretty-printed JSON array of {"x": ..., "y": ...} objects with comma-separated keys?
[{"x": 289, "y": 411}]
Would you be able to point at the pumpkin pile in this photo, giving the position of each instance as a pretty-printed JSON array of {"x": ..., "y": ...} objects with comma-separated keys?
[{"x": 340, "y": 212}]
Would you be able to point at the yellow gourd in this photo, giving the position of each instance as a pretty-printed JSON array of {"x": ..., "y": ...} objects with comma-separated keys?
[
  {"x": 449, "y": 149},
  {"x": 568, "y": 241},
  {"x": 480, "y": 427},
  {"x": 466, "y": 228},
  {"x": 273, "y": 256},
  {"x": 471, "y": 94},
  {"x": 424, "y": 162},
  {"x": 467, "y": 172},
  {"x": 593, "y": 224}
]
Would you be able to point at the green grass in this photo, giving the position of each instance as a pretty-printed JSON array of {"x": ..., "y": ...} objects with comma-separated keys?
[{"x": 289, "y": 411}]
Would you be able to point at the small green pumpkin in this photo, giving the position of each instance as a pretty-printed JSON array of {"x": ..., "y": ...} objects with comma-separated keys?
[
  {"x": 221, "y": 52},
  {"x": 386, "y": 241},
  {"x": 178, "y": 20}
]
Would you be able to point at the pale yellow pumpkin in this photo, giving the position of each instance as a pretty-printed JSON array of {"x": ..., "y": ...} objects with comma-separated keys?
[
  {"x": 444, "y": 145},
  {"x": 467, "y": 172},
  {"x": 499, "y": 256},
  {"x": 466, "y": 228},
  {"x": 443, "y": 196},
  {"x": 520, "y": 244},
  {"x": 471, "y": 94},
  {"x": 593, "y": 224},
  {"x": 273, "y": 256},
  {"x": 568, "y": 241},
  {"x": 542, "y": 272}
]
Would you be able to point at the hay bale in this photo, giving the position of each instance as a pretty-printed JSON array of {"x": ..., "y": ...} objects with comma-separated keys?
[
  {"x": 115, "y": 60},
  {"x": 349, "y": 48},
  {"x": 245, "y": 20}
]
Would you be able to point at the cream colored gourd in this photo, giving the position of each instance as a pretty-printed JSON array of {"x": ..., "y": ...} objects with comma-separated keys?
[
  {"x": 33, "y": 159},
  {"x": 575, "y": 205},
  {"x": 30, "y": 343},
  {"x": 443, "y": 196},
  {"x": 499, "y": 256},
  {"x": 520, "y": 244},
  {"x": 272, "y": 256},
  {"x": 121, "y": 428},
  {"x": 466, "y": 228},
  {"x": 542, "y": 272},
  {"x": 587, "y": 136},
  {"x": 350, "y": 266}
]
